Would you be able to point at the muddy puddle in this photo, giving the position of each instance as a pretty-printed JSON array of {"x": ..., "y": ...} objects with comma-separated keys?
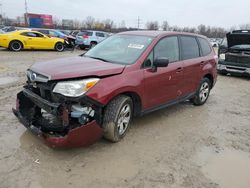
[{"x": 227, "y": 168}]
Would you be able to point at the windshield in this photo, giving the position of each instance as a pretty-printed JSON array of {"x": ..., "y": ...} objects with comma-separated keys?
[
  {"x": 122, "y": 49},
  {"x": 58, "y": 34}
]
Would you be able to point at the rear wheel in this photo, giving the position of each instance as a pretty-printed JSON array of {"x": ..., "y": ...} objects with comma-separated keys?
[
  {"x": 117, "y": 118},
  {"x": 16, "y": 46},
  {"x": 92, "y": 44},
  {"x": 82, "y": 47},
  {"x": 59, "y": 47},
  {"x": 203, "y": 92}
]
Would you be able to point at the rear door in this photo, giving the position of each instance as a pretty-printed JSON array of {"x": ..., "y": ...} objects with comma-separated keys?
[
  {"x": 192, "y": 61},
  {"x": 161, "y": 86}
]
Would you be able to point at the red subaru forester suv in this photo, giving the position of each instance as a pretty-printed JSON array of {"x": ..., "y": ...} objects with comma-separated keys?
[{"x": 74, "y": 101}]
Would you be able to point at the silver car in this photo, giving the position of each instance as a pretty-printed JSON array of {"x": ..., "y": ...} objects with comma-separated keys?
[{"x": 88, "y": 39}]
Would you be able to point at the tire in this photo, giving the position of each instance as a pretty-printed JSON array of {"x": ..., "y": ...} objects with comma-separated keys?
[
  {"x": 202, "y": 93},
  {"x": 15, "y": 46},
  {"x": 82, "y": 47},
  {"x": 117, "y": 118},
  {"x": 59, "y": 47},
  {"x": 92, "y": 45}
]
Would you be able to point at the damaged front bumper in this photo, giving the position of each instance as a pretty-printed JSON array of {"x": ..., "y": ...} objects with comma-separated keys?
[{"x": 60, "y": 130}]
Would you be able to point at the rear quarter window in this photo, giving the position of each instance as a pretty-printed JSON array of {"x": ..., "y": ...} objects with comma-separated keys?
[
  {"x": 189, "y": 48},
  {"x": 205, "y": 47}
]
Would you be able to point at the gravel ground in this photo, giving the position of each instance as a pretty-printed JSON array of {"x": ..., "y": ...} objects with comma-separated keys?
[{"x": 181, "y": 146}]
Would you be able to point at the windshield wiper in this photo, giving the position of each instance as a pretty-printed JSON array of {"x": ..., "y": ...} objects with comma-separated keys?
[{"x": 98, "y": 58}]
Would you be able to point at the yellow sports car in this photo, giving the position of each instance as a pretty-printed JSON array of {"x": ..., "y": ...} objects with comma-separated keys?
[{"x": 26, "y": 39}]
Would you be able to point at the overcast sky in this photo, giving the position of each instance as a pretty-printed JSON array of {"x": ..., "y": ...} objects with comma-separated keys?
[{"x": 225, "y": 13}]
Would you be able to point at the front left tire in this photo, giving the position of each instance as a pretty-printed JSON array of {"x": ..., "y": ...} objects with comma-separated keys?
[{"x": 117, "y": 117}]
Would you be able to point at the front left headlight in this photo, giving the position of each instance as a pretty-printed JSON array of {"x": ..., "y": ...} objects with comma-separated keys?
[{"x": 75, "y": 88}]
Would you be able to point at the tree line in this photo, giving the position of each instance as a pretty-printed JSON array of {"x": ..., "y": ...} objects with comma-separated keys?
[{"x": 109, "y": 25}]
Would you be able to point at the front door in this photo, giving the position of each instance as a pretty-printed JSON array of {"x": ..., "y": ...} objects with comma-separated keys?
[{"x": 163, "y": 85}]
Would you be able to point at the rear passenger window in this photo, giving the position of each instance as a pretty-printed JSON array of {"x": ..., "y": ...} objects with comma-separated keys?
[
  {"x": 100, "y": 34},
  {"x": 205, "y": 47},
  {"x": 89, "y": 33},
  {"x": 189, "y": 48},
  {"x": 168, "y": 48}
]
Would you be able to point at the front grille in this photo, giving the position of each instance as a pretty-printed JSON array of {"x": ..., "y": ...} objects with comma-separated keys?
[{"x": 238, "y": 58}]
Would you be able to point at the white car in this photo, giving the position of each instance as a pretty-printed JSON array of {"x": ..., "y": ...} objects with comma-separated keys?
[
  {"x": 214, "y": 43},
  {"x": 1, "y": 31}
]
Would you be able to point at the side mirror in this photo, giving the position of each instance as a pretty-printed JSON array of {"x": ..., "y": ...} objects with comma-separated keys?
[{"x": 161, "y": 62}]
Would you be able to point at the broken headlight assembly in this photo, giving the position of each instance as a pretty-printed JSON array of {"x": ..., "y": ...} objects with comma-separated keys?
[{"x": 75, "y": 88}]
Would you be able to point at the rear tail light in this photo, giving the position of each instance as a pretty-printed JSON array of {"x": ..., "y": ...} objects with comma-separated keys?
[{"x": 85, "y": 36}]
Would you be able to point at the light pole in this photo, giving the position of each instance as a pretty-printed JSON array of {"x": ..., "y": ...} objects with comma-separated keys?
[
  {"x": 1, "y": 13},
  {"x": 26, "y": 12}
]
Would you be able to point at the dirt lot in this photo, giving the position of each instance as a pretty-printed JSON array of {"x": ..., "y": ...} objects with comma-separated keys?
[{"x": 181, "y": 146}]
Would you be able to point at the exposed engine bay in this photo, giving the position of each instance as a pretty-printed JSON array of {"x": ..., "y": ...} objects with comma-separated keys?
[{"x": 54, "y": 114}]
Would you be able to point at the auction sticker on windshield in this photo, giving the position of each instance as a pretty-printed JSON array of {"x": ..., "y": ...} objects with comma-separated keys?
[{"x": 136, "y": 46}]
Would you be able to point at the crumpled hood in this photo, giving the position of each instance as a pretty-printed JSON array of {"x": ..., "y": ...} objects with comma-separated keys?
[
  {"x": 75, "y": 67},
  {"x": 234, "y": 39}
]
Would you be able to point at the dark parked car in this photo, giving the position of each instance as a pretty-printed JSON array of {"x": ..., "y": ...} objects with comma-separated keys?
[
  {"x": 74, "y": 101},
  {"x": 236, "y": 50},
  {"x": 69, "y": 40}
]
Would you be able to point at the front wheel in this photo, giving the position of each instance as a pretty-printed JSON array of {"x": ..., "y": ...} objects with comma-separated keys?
[
  {"x": 203, "y": 92},
  {"x": 59, "y": 47},
  {"x": 117, "y": 118}
]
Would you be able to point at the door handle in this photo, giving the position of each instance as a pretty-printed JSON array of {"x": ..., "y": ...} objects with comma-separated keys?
[
  {"x": 179, "y": 70},
  {"x": 30, "y": 38}
]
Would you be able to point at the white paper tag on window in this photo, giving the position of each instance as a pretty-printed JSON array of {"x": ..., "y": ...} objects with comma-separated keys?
[{"x": 136, "y": 46}]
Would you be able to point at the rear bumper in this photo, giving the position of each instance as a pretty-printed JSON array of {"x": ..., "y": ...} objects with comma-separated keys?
[
  {"x": 82, "y": 42},
  {"x": 73, "y": 136},
  {"x": 234, "y": 68}
]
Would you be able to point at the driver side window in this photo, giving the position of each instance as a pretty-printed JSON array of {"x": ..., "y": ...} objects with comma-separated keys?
[{"x": 167, "y": 48}]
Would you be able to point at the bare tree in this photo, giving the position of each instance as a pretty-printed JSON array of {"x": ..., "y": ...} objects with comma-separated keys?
[
  {"x": 122, "y": 24},
  {"x": 244, "y": 26},
  {"x": 90, "y": 22},
  {"x": 152, "y": 25},
  {"x": 165, "y": 26},
  {"x": 57, "y": 22},
  {"x": 108, "y": 24}
]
